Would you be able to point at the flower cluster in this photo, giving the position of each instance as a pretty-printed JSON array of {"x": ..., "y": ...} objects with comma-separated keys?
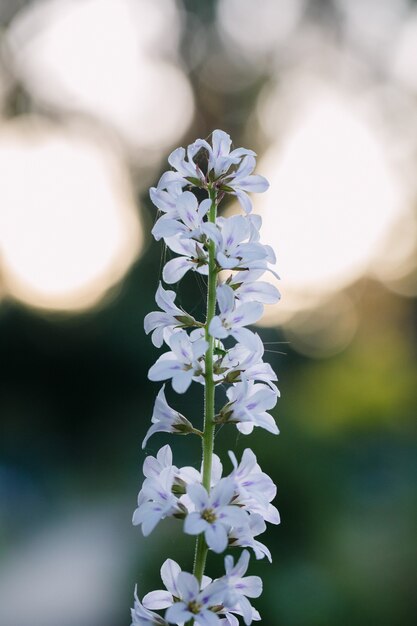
[{"x": 222, "y": 511}]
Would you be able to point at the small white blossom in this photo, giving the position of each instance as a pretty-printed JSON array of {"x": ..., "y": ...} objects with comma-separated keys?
[
  {"x": 255, "y": 489},
  {"x": 248, "y": 405},
  {"x": 165, "y": 419},
  {"x": 220, "y": 159},
  {"x": 165, "y": 195},
  {"x": 153, "y": 466},
  {"x": 244, "y": 362},
  {"x": 186, "y": 221},
  {"x": 170, "y": 317},
  {"x": 162, "y": 599},
  {"x": 243, "y": 181},
  {"x": 240, "y": 587},
  {"x": 214, "y": 514},
  {"x": 193, "y": 257},
  {"x": 247, "y": 287},
  {"x": 236, "y": 245},
  {"x": 156, "y": 501},
  {"x": 244, "y": 536},
  {"x": 144, "y": 617},
  {"x": 182, "y": 364},
  {"x": 232, "y": 318},
  {"x": 195, "y": 603}
]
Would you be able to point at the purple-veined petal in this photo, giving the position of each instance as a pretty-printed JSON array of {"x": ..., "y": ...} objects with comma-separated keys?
[
  {"x": 164, "y": 368},
  {"x": 247, "y": 313},
  {"x": 194, "y": 524},
  {"x": 175, "y": 269},
  {"x": 178, "y": 613},
  {"x": 216, "y": 328},
  {"x": 207, "y": 618},
  {"x": 234, "y": 515},
  {"x": 199, "y": 496},
  {"x": 223, "y": 492},
  {"x": 243, "y": 335},
  {"x": 169, "y": 574},
  {"x": 216, "y": 537},
  {"x": 245, "y": 169},
  {"x": 225, "y": 299},
  {"x": 246, "y": 609},
  {"x": 254, "y": 183},
  {"x": 250, "y": 586},
  {"x": 181, "y": 346},
  {"x": 221, "y": 143},
  {"x": 260, "y": 291},
  {"x": 188, "y": 586}
]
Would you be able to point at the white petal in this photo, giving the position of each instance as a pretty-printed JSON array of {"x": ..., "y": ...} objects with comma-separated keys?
[
  {"x": 194, "y": 524},
  {"x": 207, "y": 618},
  {"x": 216, "y": 328},
  {"x": 159, "y": 599},
  {"x": 250, "y": 586},
  {"x": 187, "y": 586},
  {"x": 254, "y": 183},
  {"x": 164, "y": 368},
  {"x": 199, "y": 496},
  {"x": 178, "y": 613},
  {"x": 247, "y": 313},
  {"x": 182, "y": 380},
  {"x": 245, "y": 201},
  {"x": 225, "y": 298},
  {"x": 175, "y": 269},
  {"x": 216, "y": 537},
  {"x": 221, "y": 143},
  {"x": 166, "y": 227},
  {"x": 169, "y": 574}
]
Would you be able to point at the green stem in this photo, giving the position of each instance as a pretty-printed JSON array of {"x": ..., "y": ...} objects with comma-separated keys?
[{"x": 209, "y": 390}]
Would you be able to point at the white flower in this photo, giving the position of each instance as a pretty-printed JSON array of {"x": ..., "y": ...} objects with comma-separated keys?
[
  {"x": 165, "y": 196},
  {"x": 165, "y": 419},
  {"x": 195, "y": 603},
  {"x": 247, "y": 406},
  {"x": 193, "y": 256},
  {"x": 214, "y": 514},
  {"x": 153, "y": 466},
  {"x": 248, "y": 288},
  {"x": 143, "y": 617},
  {"x": 244, "y": 536},
  {"x": 240, "y": 587},
  {"x": 220, "y": 159},
  {"x": 236, "y": 243},
  {"x": 255, "y": 489},
  {"x": 244, "y": 362},
  {"x": 243, "y": 181},
  {"x": 232, "y": 319},
  {"x": 184, "y": 164},
  {"x": 171, "y": 317},
  {"x": 162, "y": 599},
  {"x": 156, "y": 501},
  {"x": 182, "y": 364},
  {"x": 185, "y": 221}
]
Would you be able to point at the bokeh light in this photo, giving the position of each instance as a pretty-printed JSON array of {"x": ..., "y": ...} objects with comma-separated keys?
[
  {"x": 335, "y": 197},
  {"x": 68, "y": 224},
  {"x": 114, "y": 60}
]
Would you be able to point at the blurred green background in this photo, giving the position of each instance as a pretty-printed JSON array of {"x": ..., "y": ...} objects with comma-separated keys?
[{"x": 93, "y": 96}]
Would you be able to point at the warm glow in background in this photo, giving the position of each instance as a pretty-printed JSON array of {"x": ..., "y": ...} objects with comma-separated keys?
[{"x": 93, "y": 96}]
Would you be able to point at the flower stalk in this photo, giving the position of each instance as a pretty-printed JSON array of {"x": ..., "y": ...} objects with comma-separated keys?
[{"x": 221, "y": 511}]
